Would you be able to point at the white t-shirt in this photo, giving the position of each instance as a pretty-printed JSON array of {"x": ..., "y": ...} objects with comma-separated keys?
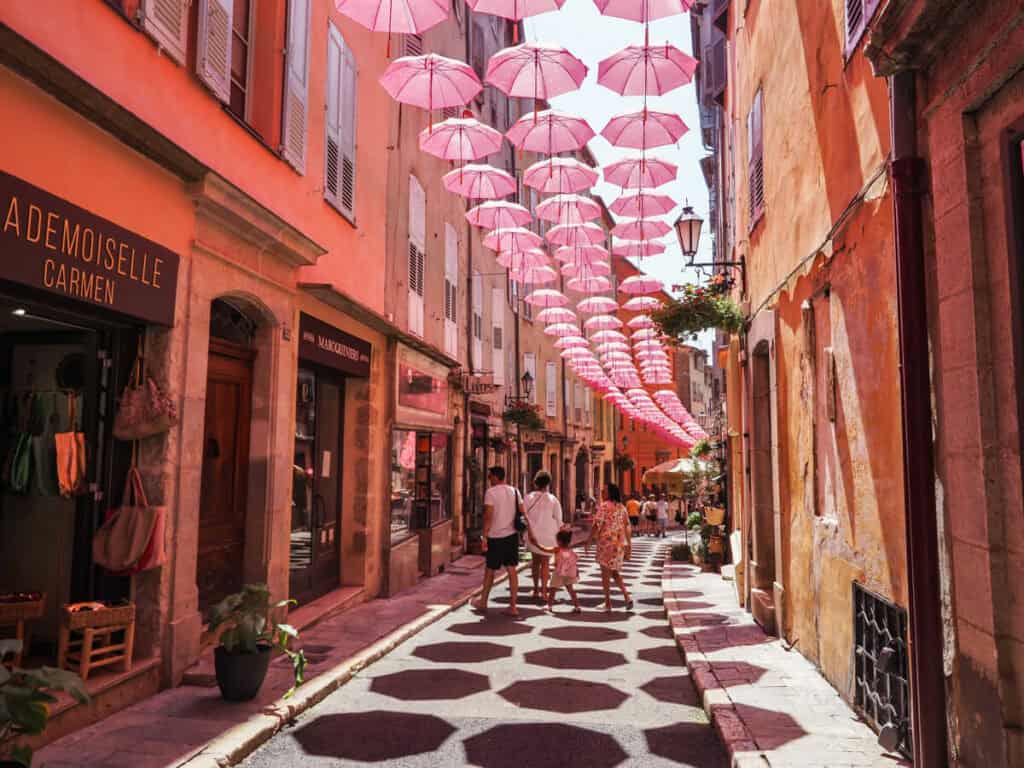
[
  {"x": 545, "y": 513},
  {"x": 662, "y": 509},
  {"x": 503, "y": 499}
]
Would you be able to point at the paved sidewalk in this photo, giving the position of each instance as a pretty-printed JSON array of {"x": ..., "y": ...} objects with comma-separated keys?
[
  {"x": 176, "y": 726},
  {"x": 770, "y": 706}
]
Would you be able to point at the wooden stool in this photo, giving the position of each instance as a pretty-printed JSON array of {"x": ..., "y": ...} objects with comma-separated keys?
[
  {"x": 16, "y": 614},
  {"x": 87, "y": 637}
]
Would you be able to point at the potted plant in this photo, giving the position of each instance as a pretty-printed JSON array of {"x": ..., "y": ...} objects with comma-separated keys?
[
  {"x": 681, "y": 553},
  {"x": 699, "y": 553},
  {"x": 25, "y": 699},
  {"x": 525, "y": 414},
  {"x": 624, "y": 462},
  {"x": 693, "y": 521},
  {"x": 248, "y": 638},
  {"x": 699, "y": 308}
]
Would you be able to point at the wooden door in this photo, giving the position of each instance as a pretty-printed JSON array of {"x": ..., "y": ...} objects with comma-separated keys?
[
  {"x": 224, "y": 491},
  {"x": 327, "y": 501}
]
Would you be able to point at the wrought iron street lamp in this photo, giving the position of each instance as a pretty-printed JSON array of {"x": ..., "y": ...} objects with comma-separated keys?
[
  {"x": 527, "y": 381},
  {"x": 688, "y": 227}
]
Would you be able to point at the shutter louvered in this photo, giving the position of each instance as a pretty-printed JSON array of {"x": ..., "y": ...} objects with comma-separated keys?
[
  {"x": 348, "y": 136},
  {"x": 339, "y": 154},
  {"x": 166, "y": 21},
  {"x": 498, "y": 335},
  {"x": 417, "y": 254},
  {"x": 755, "y": 167},
  {"x": 296, "y": 86},
  {"x": 858, "y": 16},
  {"x": 551, "y": 385},
  {"x": 413, "y": 45},
  {"x": 213, "y": 46}
]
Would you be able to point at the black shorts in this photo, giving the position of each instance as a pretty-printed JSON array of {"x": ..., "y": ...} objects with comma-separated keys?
[
  {"x": 634, "y": 521},
  {"x": 503, "y": 552}
]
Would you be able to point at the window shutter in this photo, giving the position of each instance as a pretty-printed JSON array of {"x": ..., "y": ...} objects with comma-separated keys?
[
  {"x": 413, "y": 45},
  {"x": 296, "y": 86},
  {"x": 498, "y": 335},
  {"x": 755, "y": 130},
  {"x": 417, "y": 254},
  {"x": 551, "y": 386},
  {"x": 530, "y": 367},
  {"x": 858, "y": 16},
  {"x": 166, "y": 21},
  {"x": 213, "y": 46},
  {"x": 478, "y": 321},
  {"x": 339, "y": 154},
  {"x": 451, "y": 293}
]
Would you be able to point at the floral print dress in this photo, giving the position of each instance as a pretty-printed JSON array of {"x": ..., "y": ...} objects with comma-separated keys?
[{"x": 612, "y": 525}]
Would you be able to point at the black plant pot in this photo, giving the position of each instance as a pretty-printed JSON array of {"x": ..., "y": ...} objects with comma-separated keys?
[{"x": 240, "y": 675}]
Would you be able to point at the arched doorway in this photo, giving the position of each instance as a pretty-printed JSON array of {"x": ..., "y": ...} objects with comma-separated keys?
[
  {"x": 225, "y": 469},
  {"x": 761, "y": 549}
]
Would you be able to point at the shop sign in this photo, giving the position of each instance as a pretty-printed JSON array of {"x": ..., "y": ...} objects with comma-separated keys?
[
  {"x": 326, "y": 345},
  {"x": 533, "y": 447},
  {"x": 49, "y": 243},
  {"x": 422, "y": 390}
]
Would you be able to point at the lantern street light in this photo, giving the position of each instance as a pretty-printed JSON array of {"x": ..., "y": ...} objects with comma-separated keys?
[
  {"x": 688, "y": 227},
  {"x": 527, "y": 380}
]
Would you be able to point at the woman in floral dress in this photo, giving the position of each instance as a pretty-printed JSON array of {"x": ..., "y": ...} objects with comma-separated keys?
[{"x": 611, "y": 531}]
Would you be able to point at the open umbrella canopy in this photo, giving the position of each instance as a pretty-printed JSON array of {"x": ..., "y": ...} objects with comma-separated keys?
[
  {"x": 608, "y": 334},
  {"x": 640, "y": 284},
  {"x": 406, "y": 17},
  {"x": 479, "y": 182},
  {"x": 581, "y": 254},
  {"x": 643, "y": 11},
  {"x": 646, "y": 70},
  {"x": 515, "y": 260},
  {"x": 597, "y": 305},
  {"x": 641, "y": 229},
  {"x": 640, "y": 203},
  {"x": 641, "y": 321},
  {"x": 498, "y": 214},
  {"x": 560, "y": 175},
  {"x": 514, "y": 10},
  {"x": 584, "y": 233},
  {"x": 672, "y": 473},
  {"x": 637, "y": 249},
  {"x": 562, "y": 330},
  {"x": 510, "y": 239},
  {"x": 549, "y": 132},
  {"x": 460, "y": 138},
  {"x": 602, "y": 323},
  {"x": 546, "y": 297},
  {"x": 556, "y": 315},
  {"x": 563, "y": 342},
  {"x": 539, "y": 275},
  {"x": 644, "y": 333},
  {"x": 648, "y": 344},
  {"x": 587, "y": 269},
  {"x": 636, "y": 172},
  {"x": 535, "y": 71},
  {"x": 642, "y": 304},
  {"x": 644, "y": 129},
  {"x": 568, "y": 209},
  {"x": 589, "y": 284},
  {"x": 430, "y": 81}
]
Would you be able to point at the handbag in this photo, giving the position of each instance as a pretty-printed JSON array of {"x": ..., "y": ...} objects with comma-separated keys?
[
  {"x": 131, "y": 538},
  {"x": 70, "y": 454},
  {"x": 520, "y": 519},
  {"x": 145, "y": 409}
]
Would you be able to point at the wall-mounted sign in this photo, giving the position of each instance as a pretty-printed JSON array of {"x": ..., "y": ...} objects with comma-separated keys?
[
  {"x": 49, "y": 243},
  {"x": 326, "y": 345}
]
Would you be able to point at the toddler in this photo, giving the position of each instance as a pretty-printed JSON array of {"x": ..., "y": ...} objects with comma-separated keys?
[{"x": 565, "y": 570}]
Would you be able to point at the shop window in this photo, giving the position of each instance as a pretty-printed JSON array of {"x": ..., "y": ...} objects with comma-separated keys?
[{"x": 420, "y": 481}]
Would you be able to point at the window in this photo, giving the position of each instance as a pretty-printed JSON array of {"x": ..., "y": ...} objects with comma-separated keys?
[
  {"x": 451, "y": 291},
  {"x": 215, "y": 59},
  {"x": 420, "y": 481},
  {"x": 577, "y": 403},
  {"x": 296, "y": 86},
  {"x": 340, "y": 143},
  {"x": 478, "y": 322},
  {"x": 755, "y": 154},
  {"x": 498, "y": 335},
  {"x": 240, "y": 30},
  {"x": 551, "y": 385},
  {"x": 417, "y": 254},
  {"x": 530, "y": 367},
  {"x": 858, "y": 16}
]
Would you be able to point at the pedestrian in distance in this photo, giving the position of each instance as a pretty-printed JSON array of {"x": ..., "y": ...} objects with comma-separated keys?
[
  {"x": 504, "y": 520},
  {"x": 633, "y": 511},
  {"x": 566, "y": 570},
  {"x": 650, "y": 515},
  {"x": 611, "y": 532},
  {"x": 661, "y": 508},
  {"x": 544, "y": 514}
]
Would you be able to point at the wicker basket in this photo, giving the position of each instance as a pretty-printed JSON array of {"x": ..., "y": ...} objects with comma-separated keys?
[
  {"x": 96, "y": 615},
  {"x": 11, "y": 613}
]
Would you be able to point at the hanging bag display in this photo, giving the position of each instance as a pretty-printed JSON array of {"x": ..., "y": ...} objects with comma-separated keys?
[
  {"x": 132, "y": 538},
  {"x": 71, "y": 454},
  {"x": 145, "y": 409}
]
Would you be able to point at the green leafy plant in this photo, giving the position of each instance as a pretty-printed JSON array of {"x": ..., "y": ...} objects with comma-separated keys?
[
  {"x": 624, "y": 462},
  {"x": 248, "y": 624},
  {"x": 25, "y": 699},
  {"x": 525, "y": 414},
  {"x": 700, "y": 450},
  {"x": 699, "y": 551},
  {"x": 694, "y": 521},
  {"x": 698, "y": 309},
  {"x": 681, "y": 553}
]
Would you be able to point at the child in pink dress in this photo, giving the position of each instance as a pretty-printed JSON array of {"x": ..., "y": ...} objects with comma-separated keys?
[{"x": 565, "y": 573}]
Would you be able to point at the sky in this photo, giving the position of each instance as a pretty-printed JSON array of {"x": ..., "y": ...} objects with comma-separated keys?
[{"x": 592, "y": 37}]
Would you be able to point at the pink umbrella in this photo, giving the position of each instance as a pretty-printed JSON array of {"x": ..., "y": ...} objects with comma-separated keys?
[
  {"x": 640, "y": 284},
  {"x": 589, "y": 284},
  {"x": 641, "y": 229},
  {"x": 642, "y": 304},
  {"x": 479, "y": 182},
  {"x": 646, "y": 10},
  {"x": 515, "y": 10},
  {"x": 549, "y": 132},
  {"x": 602, "y": 323},
  {"x": 460, "y": 139},
  {"x": 581, "y": 254},
  {"x": 585, "y": 233},
  {"x": 644, "y": 129},
  {"x": 540, "y": 275},
  {"x": 644, "y": 333},
  {"x": 577, "y": 353},
  {"x": 641, "y": 321},
  {"x": 556, "y": 315},
  {"x": 568, "y": 209},
  {"x": 560, "y": 174},
  {"x": 431, "y": 81},
  {"x": 608, "y": 334},
  {"x": 495, "y": 214},
  {"x": 562, "y": 342},
  {"x": 546, "y": 297},
  {"x": 644, "y": 70},
  {"x": 640, "y": 203},
  {"x": 638, "y": 172},
  {"x": 610, "y": 346},
  {"x": 593, "y": 269},
  {"x": 649, "y": 344},
  {"x": 637, "y": 249},
  {"x": 406, "y": 17},
  {"x": 597, "y": 305},
  {"x": 512, "y": 239},
  {"x": 535, "y": 70},
  {"x": 533, "y": 257},
  {"x": 562, "y": 330}
]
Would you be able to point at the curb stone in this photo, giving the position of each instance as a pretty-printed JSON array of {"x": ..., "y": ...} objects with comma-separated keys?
[{"x": 240, "y": 741}]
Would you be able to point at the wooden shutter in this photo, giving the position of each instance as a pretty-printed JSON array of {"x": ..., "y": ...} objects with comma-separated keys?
[
  {"x": 755, "y": 168},
  {"x": 858, "y": 16},
  {"x": 339, "y": 147},
  {"x": 530, "y": 366},
  {"x": 166, "y": 21},
  {"x": 213, "y": 46},
  {"x": 451, "y": 293},
  {"x": 296, "y": 86},
  {"x": 498, "y": 335},
  {"x": 417, "y": 254},
  {"x": 551, "y": 388},
  {"x": 413, "y": 45},
  {"x": 478, "y": 321}
]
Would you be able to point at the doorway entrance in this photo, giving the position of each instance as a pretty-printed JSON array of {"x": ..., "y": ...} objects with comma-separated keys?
[
  {"x": 225, "y": 476},
  {"x": 762, "y": 533},
  {"x": 315, "y": 561}
]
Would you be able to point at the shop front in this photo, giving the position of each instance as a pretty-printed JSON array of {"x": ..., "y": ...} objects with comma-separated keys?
[
  {"x": 421, "y": 470},
  {"x": 81, "y": 299}
]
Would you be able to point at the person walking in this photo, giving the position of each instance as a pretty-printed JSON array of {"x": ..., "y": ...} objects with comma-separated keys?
[
  {"x": 544, "y": 515},
  {"x": 566, "y": 569},
  {"x": 611, "y": 531},
  {"x": 661, "y": 512},
  {"x": 633, "y": 511},
  {"x": 500, "y": 538},
  {"x": 649, "y": 513}
]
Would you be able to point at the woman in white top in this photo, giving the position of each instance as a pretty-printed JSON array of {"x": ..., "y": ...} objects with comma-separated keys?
[{"x": 545, "y": 515}]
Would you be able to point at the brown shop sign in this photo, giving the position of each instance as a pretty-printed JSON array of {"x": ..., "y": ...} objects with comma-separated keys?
[
  {"x": 47, "y": 242},
  {"x": 324, "y": 344}
]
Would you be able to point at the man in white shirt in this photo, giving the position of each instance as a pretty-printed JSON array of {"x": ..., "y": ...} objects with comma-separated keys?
[{"x": 500, "y": 537}]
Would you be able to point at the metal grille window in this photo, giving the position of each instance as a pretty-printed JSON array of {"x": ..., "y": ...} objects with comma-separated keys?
[{"x": 882, "y": 692}]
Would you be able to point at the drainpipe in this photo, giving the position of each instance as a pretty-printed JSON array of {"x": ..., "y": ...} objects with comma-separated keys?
[
  {"x": 467, "y": 446},
  {"x": 927, "y": 685}
]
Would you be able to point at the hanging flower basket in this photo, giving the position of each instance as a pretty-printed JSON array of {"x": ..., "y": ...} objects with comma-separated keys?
[
  {"x": 701, "y": 307},
  {"x": 624, "y": 462},
  {"x": 525, "y": 414}
]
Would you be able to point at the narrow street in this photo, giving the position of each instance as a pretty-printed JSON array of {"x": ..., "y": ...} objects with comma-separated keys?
[{"x": 593, "y": 689}]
